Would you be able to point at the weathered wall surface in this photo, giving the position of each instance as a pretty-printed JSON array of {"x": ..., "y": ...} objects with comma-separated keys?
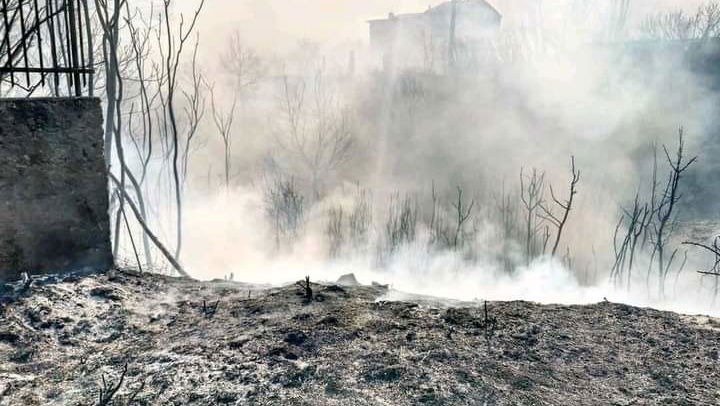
[{"x": 53, "y": 187}]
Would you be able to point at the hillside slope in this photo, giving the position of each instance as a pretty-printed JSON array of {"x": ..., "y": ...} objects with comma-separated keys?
[{"x": 183, "y": 342}]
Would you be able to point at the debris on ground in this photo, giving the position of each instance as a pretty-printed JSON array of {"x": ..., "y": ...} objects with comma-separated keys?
[
  {"x": 156, "y": 340},
  {"x": 348, "y": 280}
]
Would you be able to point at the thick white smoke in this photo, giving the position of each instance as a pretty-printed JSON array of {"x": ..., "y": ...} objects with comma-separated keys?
[
  {"x": 580, "y": 100},
  {"x": 228, "y": 235}
]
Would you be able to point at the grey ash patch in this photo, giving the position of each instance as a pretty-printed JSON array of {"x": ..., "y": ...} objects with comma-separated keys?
[{"x": 354, "y": 347}]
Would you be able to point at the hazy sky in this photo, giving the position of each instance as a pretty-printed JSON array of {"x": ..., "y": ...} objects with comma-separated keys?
[{"x": 278, "y": 23}]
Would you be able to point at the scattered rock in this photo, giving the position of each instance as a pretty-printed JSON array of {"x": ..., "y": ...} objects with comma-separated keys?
[
  {"x": 238, "y": 342},
  {"x": 348, "y": 280},
  {"x": 105, "y": 292},
  {"x": 335, "y": 289},
  {"x": 333, "y": 387},
  {"x": 302, "y": 317},
  {"x": 329, "y": 321},
  {"x": 226, "y": 397},
  {"x": 22, "y": 355},
  {"x": 296, "y": 338},
  {"x": 9, "y": 337},
  {"x": 282, "y": 352}
]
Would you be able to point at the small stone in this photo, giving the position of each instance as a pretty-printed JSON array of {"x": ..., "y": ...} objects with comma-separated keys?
[
  {"x": 348, "y": 280},
  {"x": 296, "y": 338}
]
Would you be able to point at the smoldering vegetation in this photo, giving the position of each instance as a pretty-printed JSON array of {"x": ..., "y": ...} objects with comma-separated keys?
[{"x": 575, "y": 155}]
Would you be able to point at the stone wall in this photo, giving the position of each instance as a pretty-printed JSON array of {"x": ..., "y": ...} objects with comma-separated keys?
[{"x": 53, "y": 187}]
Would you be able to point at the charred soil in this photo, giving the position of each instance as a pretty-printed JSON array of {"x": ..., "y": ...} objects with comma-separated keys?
[{"x": 128, "y": 339}]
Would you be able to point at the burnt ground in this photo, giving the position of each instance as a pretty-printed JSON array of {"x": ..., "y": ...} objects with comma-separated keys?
[{"x": 270, "y": 346}]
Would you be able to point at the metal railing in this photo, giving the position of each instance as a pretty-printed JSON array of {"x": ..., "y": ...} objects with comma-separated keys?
[{"x": 46, "y": 44}]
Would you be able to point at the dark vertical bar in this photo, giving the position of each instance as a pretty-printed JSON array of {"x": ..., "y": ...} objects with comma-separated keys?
[
  {"x": 74, "y": 45},
  {"x": 90, "y": 50},
  {"x": 53, "y": 49},
  {"x": 24, "y": 40},
  {"x": 80, "y": 42},
  {"x": 39, "y": 40},
  {"x": 8, "y": 28},
  {"x": 66, "y": 50}
]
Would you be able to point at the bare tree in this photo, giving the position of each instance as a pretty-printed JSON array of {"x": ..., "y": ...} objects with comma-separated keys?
[
  {"x": 360, "y": 219},
  {"x": 439, "y": 234},
  {"x": 172, "y": 51},
  {"x": 141, "y": 51},
  {"x": 532, "y": 191},
  {"x": 678, "y": 25},
  {"x": 316, "y": 131},
  {"x": 223, "y": 123},
  {"x": 636, "y": 222},
  {"x": 117, "y": 61},
  {"x": 666, "y": 212},
  {"x": 401, "y": 222},
  {"x": 127, "y": 67},
  {"x": 651, "y": 226},
  {"x": 194, "y": 108},
  {"x": 285, "y": 209},
  {"x": 565, "y": 206},
  {"x": 506, "y": 207},
  {"x": 242, "y": 63},
  {"x": 714, "y": 270},
  {"x": 463, "y": 211},
  {"x": 109, "y": 16},
  {"x": 149, "y": 78},
  {"x": 335, "y": 230},
  {"x": 171, "y": 259}
]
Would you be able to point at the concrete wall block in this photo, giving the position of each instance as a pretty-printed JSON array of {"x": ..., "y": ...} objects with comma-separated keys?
[{"x": 53, "y": 187}]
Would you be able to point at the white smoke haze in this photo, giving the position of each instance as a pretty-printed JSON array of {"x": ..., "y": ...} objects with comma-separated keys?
[
  {"x": 415, "y": 131},
  {"x": 279, "y": 24},
  {"x": 222, "y": 243}
]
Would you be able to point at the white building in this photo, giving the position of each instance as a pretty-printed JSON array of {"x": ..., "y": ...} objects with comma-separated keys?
[{"x": 429, "y": 41}]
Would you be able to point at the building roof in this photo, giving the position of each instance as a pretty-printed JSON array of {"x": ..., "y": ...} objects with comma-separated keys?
[
  {"x": 393, "y": 16},
  {"x": 443, "y": 4},
  {"x": 481, "y": 2}
]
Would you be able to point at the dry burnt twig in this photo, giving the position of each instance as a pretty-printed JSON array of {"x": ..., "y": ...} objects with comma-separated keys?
[
  {"x": 209, "y": 311},
  {"x": 714, "y": 271},
  {"x": 532, "y": 190},
  {"x": 560, "y": 221},
  {"x": 307, "y": 289},
  {"x": 109, "y": 389}
]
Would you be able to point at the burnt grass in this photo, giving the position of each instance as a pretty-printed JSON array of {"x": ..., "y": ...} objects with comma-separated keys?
[{"x": 219, "y": 343}]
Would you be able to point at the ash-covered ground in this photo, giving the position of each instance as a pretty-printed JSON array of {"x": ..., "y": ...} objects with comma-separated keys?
[{"x": 127, "y": 339}]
